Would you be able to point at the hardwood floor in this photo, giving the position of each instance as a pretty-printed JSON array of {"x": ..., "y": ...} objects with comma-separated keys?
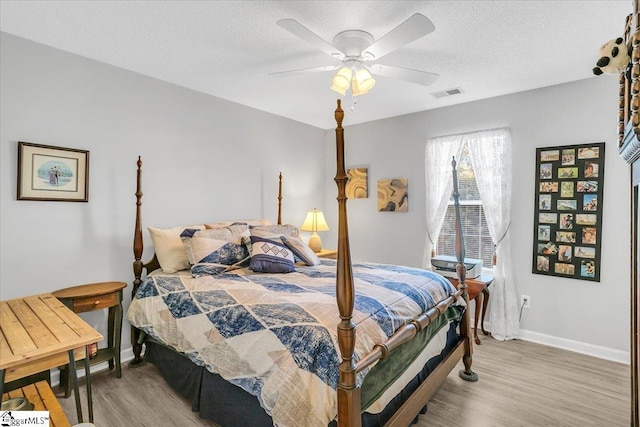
[
  {"x": 521, "y": 384},
  {"x": 527, "y": 384}
]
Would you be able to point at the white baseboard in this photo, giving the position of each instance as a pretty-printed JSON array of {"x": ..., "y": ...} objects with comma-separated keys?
[
  {"x": 125, "y": 356},
  {"x": 576, "y": 346}
]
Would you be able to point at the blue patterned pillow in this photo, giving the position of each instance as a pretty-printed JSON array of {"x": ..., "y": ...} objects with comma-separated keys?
[
  {"x": 301, "y": 250},
  {"x": 270, "y": 255},
  {"x": 214, "y": 251}
]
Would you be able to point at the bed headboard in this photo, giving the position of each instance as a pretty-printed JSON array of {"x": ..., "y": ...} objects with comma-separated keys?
[{"x": 138, "y": 243}]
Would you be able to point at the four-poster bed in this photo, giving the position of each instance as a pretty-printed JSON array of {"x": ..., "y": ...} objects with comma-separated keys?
[{"x": 408, "y": 325}]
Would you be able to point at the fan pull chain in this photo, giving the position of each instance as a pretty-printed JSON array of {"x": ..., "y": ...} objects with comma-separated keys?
[{"x": 354, "y": 101}]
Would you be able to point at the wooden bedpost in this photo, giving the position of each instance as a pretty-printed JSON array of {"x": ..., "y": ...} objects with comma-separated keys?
[
  {"x": 138, "y": 246},
  {"x": 465, "y": 327},
  {"x": 280, "y": 199},
  {"x": 348, "y": 393}
]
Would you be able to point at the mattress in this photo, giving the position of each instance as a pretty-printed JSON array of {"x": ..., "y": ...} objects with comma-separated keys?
[{"x": 274, "y": 335}]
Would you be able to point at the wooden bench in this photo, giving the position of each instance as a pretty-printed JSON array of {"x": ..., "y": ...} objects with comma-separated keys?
[{"x": 43, "y": 399}]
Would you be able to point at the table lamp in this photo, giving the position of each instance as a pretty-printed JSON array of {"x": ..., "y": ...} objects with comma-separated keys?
[{"x": 315, "y": 222}]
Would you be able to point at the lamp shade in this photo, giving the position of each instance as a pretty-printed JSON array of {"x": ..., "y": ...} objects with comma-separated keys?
[
  {"x": 363, "y": 82},
  {"x": 314, "y": 221},
  {"x": 342, "y": 80}
]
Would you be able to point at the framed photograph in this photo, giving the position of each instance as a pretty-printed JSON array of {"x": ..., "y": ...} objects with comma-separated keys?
[
  {"x": 564, "y": 173},
  {"x": 568, "y": 211},
  {"x": 569, "y": 157},
  {"x": 566, "y": 189},
  {"x": 548, "y": 218},
  {"x": 566, "y": 221},
  {"x": 549, "y": 187},
  {"x": 587, "y": 186},
  {"x": 544, "y": 202},
  {"x": 51, "y": 173},
  {"x": 567, "y": 205}
]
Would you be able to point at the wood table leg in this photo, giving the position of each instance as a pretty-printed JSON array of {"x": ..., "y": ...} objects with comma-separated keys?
[
  {"x": 485, "y": 303},
  {"x": 74, "y": 381},
  {"x": 478, "y": 299},
  {"x": 116, "y": 340},
  {"x": 1, "y": 382},
  {"x": 87, "y": 376}
]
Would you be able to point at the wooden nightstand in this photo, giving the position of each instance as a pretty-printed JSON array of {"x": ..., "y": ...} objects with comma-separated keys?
[
  {"x": 97, "y": 296},
  {"x": 478, "y": 290},
  {"x": 327, "y": 253}
]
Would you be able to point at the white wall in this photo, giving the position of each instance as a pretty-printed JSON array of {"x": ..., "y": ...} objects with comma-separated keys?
[
  {"x": 589, "y": 316},
  {"x": 205, "y": 159}
]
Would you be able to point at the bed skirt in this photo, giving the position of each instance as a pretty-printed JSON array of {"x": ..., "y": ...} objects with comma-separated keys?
[{"x": 229, "y": 406}]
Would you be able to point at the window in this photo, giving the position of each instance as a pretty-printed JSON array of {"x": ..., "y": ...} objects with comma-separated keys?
[{"x": 478, "y": 243}]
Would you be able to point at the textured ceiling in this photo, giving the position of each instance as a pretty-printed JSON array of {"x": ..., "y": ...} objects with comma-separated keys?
[{"x": 228, "y": 48}]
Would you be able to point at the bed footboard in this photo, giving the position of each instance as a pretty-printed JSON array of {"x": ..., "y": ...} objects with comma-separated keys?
[{"x": 349, "y": 401}]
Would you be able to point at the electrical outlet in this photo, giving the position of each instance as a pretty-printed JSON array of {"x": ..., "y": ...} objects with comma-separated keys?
[{"x": 525, "y": 301}]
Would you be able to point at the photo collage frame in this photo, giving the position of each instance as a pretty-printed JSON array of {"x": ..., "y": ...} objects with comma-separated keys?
[{"x": 568, "y": 211}]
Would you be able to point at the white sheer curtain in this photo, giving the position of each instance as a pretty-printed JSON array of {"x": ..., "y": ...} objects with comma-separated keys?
[
  {"x": 491, "y": 159},
  {"x": 439, "y": 184}
]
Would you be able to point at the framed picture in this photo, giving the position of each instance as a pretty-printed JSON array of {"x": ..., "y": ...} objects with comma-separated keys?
[
  {"x": 52, "y": 173},
  {"x": 568, "y": 216}
]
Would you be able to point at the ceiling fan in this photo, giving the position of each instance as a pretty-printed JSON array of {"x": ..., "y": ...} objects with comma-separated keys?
[{"x": 355, "y": 48}]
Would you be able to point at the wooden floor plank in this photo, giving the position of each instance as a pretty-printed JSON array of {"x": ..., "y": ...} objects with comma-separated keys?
[{"x": 522, "y": 384}]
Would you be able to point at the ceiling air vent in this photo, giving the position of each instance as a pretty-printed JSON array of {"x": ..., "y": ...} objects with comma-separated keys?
[{"x": 448, "y": 92}]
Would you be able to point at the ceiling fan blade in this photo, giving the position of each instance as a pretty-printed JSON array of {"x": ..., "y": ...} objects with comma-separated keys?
[
  {"x": 299, "y": 30},
  {"x": 304, "y": 71},
  {"x": 414, "y": 76},
  {"x": 412, "y": 29}
]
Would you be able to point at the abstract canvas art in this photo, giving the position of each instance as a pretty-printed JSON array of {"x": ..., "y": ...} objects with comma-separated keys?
[
  {"x": 357, "y": 187},
  {"x": 393, "y": 195}
]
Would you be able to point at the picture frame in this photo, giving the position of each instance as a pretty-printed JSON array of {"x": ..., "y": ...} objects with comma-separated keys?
[
  {"x": 50, "y": 173},
  {"x": 568, "y": 211}
]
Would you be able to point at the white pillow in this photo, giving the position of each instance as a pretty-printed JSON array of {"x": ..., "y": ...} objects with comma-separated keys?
[
  {"x": 280, "y": 230},
  {"x": 169, "y": 248},
  {"x": 301, "y": 250},
  {"x": 250, "y": 222}
]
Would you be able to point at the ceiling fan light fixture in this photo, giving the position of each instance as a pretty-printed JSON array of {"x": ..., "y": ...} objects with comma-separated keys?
[
  {"x": 342, "y": 80},
  {"x": 364, "y": 81},
  {"x": 357, "y": 90}
]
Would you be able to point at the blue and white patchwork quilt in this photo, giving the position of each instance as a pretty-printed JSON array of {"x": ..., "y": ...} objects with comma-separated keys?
[{"x": 275, "y": 335}]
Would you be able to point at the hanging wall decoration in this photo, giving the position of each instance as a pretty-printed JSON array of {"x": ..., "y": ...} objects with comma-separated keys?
[
  {"x": 357, "y": 186},
  {"x": 52, "y": 173},
  {"x": 392, "y": 195},
  {"x": 568, "y": 215}
]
